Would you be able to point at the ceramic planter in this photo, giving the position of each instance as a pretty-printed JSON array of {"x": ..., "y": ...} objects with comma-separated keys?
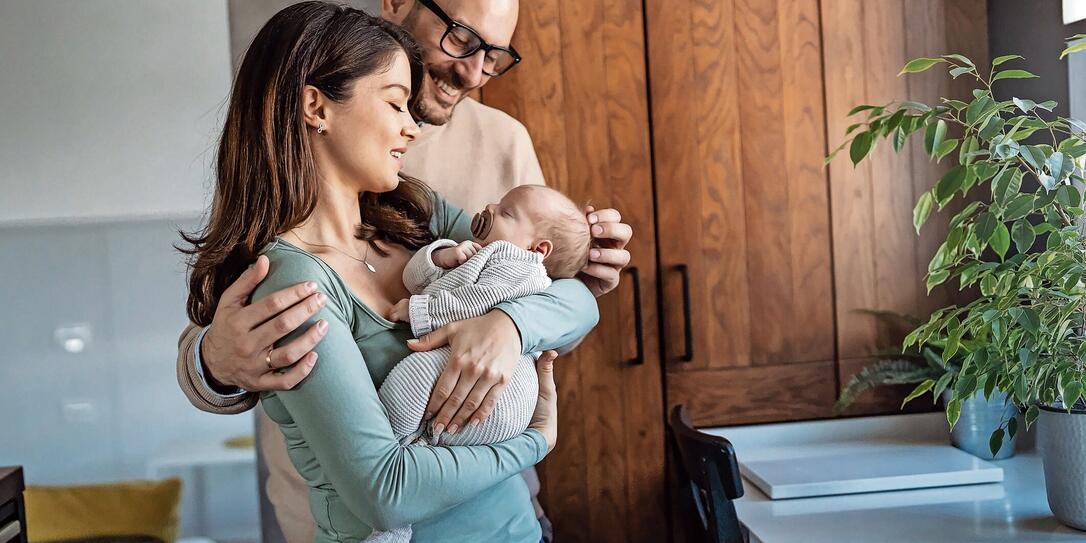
[
  {"x": 978, "y": 420},
  {"x": 1061, "y": 439}
]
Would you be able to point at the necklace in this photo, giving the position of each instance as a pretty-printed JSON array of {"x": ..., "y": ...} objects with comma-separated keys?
[{"x": 344, "y": 253}]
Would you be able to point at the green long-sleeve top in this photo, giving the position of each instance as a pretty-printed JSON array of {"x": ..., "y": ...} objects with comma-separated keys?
[{"x": 339, "y": 438}]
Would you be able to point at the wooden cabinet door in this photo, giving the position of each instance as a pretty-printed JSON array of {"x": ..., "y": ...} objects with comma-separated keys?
[
  {"x": 581, "y": 92},
  {"x": 743, "y": 214}
]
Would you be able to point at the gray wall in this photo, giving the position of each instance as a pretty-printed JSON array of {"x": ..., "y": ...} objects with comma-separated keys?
[
  {"x": 247, "y": 16},
  {"x": 1035, "y": 30}
]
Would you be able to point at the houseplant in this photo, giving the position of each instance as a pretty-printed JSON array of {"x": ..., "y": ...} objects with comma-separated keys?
[
  {"x": 913, "y": 365},
  {"x": 1028, "y": 319}
]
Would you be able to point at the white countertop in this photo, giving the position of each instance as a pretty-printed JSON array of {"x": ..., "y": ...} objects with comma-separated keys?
[{"x": 1014, "y": 510}]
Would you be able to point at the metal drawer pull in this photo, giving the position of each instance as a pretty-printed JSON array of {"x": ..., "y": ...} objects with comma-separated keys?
[
  {"x": 638, "y": 332},
  {"x": 10, "y": 531}
]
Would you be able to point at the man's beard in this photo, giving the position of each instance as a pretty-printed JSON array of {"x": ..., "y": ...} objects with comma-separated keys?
[{"x": 423, "y": 111}]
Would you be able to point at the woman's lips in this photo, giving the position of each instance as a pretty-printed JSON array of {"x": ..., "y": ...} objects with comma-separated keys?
[{"x": 480, "y": 225}]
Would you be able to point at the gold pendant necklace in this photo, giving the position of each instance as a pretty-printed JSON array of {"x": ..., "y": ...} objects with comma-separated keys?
[{"x": 344, "y": 253}]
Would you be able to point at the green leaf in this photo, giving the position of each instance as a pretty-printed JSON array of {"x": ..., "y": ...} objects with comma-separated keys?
[
  {"x": 861, "y": 145},
  {"x": 945, "y": 148},
  {"x": 1029, "y": 320},
  {"x": 953, "y": 411},
  {"x": 898, "y": 140},
  {"x": 1000, "y": 60},
  {"x": 955, "y": 72},
  {"x": 958, "y": 105},
  {"x": 1068, "y": 196},
  {"x": 1023, "y": 236},
  {"x": 966, "y": 385},
  {"x": 1034, "y": 156},
  {"x": 1000, "y": 240},
  {"x": 1031, "y": 415},
  {"x": 933, "y": 136},
  {"x": 920, "y": 389},
  {"x": 996, "y": 441},
  {"x": 1012, "y": 74},
  {"x": 915, "y": 105},
  {"x": 940, "y": 386},
  {"x": 1059, "y": 165},
  {"x": 1020, "y": 206},
  {"x": 1006, "y": 149},
  {"x": 1012, "y": 427},
  {"x": 936, "y": 279},
  {"x": 991, "y": 127},
  {"x": 1048, "y": 105},
  {"x": 949, "y": 184},
  {"x": 961, "y": 58},
  {"x": 1025, "y": 105},
  {"x": 859, "y": 108},
  {"x": 986, "y": 225},
  {"x": 920, "y": 65},
  {"x": 1071, "y": 393},
  {"x": 1006, "y": 185},
  {"x": 976, "y": 109},
  {"x": 1081, "y": 46},
  {"x": 922, "y": 210}
]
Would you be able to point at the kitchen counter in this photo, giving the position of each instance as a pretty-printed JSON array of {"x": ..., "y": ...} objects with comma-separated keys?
[{"x": 1014, "y": 510}]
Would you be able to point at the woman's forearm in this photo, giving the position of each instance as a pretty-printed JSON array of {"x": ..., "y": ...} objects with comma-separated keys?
[{"x": 557, "y": 317}]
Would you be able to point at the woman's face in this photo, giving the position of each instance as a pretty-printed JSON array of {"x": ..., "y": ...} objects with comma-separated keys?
[{"x": 368, "y": 133}]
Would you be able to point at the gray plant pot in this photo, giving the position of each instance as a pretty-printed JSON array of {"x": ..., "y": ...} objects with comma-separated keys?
[
  {"x": 1061, "y": 439},
  {"x": 979, "y": 418}
]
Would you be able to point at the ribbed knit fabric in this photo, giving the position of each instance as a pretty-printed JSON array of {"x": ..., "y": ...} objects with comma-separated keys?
[{"x": 498, "y": 272}]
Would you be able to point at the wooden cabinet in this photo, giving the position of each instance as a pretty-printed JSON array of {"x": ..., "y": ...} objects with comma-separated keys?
[{"x": 706, "y": 123}]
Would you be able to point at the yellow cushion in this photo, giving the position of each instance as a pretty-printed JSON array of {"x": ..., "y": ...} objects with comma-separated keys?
[{"x": 131, "y": 508}]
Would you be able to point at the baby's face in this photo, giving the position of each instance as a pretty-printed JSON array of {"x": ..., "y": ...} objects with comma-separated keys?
[{"x": 513, "y": 219}]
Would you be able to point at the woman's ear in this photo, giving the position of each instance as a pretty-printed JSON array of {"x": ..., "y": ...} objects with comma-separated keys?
[
  {"x": 313, "y": 107},
  {"x": 543, "y": 247},
  {"x": 395, "y": 11}
]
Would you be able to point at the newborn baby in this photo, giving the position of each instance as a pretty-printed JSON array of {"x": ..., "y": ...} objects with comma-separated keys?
[{"x": 532, "y": 235}]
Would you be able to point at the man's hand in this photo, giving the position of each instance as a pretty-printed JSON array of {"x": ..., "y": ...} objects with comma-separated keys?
[
  {"x": 485, "y": 351},
  {"x": 608, "y": 254},
  {"x": 401, "y": 312},
  {"x": 235, "y": 350},
  {"x": 451, "y": 257}
]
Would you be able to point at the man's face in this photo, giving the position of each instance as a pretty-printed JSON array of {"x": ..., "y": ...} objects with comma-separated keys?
[{"x": 446, "y": 80}]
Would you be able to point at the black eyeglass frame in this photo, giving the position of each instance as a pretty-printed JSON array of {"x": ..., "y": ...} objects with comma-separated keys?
[{"x": 451, "y": 24}]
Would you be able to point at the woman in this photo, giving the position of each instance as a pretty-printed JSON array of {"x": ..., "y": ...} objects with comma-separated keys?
[{"x": 314, "y": 133}]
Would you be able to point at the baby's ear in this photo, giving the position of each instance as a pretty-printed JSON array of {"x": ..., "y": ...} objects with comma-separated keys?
[{"x": 543, "y": 247}]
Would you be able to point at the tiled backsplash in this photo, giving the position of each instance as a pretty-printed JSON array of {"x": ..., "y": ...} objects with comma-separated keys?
[{"x": 88, "y": 392}]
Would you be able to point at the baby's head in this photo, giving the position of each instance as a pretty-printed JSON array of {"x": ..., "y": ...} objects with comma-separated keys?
[{"x": 542, "y": 220}]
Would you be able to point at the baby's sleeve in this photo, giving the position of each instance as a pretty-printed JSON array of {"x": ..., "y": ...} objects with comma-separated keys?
[{"x": 421, "y": 270}]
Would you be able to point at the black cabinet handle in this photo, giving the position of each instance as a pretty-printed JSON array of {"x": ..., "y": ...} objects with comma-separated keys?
[
  {"x": 639, "y": 333},
  {"x": 688, "y": 333}
]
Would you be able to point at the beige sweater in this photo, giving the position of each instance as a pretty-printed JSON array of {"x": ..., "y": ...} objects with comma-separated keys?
[{"x": 472, "y": 160}]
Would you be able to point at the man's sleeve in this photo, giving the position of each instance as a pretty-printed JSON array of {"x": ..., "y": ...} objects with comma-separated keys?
[{"x": 194, "y": 386}]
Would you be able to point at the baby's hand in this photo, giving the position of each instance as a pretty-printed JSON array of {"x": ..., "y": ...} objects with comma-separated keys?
[
  {"x": 451, "y": 257},
  {"x": 401, "y": 312}
]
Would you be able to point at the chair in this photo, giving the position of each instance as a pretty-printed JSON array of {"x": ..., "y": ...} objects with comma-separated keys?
[{"x": 708, "y": 464}]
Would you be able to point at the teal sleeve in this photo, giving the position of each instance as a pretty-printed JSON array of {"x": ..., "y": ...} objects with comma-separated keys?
[
  {"x": 342, "y": 420},
  {"x": 554, "y": 318}
]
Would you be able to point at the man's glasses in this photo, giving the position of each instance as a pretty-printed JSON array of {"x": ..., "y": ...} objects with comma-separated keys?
[{"x": 462, "y": 41}]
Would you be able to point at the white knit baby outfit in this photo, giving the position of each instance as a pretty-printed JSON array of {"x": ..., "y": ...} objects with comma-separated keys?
[{"x": 499, "y": 272}]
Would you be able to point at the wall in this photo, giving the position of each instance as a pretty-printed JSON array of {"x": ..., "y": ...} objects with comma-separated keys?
[
  {"x": 106, "y": 137},
  {"x": 111, "y": 108}
]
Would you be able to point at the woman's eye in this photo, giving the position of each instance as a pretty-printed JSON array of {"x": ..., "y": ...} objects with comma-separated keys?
[{"x": 399, "y": 108}]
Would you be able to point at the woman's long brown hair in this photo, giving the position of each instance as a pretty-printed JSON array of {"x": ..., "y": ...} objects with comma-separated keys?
[{"x": 266, "y": 181}]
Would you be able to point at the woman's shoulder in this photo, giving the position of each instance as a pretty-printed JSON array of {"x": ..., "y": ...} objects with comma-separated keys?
[{"x": 289, "y": 265}]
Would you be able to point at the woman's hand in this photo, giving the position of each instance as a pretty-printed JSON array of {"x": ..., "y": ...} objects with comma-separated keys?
[
  {"x": 235, "y": 350},
  {"x": 485, "y": 351},
  {"x": 545, "y": 417},
  {"x": 608, "y": 254}
]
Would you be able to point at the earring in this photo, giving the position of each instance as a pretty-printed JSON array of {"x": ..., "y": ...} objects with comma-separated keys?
[{"x": 321, "y": 128}]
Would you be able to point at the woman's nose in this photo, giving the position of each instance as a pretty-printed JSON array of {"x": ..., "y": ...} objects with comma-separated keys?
[{"x": 410, "y": 130}]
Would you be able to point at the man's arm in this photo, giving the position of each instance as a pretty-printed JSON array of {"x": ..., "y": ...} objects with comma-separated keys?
[{"x": 196, "y": 388}]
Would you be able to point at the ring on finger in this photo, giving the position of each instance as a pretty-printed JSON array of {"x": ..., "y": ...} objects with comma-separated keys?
[{"x": 267, "y": 358}]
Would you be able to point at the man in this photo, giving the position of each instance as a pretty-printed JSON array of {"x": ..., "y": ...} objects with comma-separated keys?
[{"x": 470, "y": 153}]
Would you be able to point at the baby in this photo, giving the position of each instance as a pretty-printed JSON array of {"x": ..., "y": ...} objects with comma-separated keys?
[{"x": 532, "y": 235}]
